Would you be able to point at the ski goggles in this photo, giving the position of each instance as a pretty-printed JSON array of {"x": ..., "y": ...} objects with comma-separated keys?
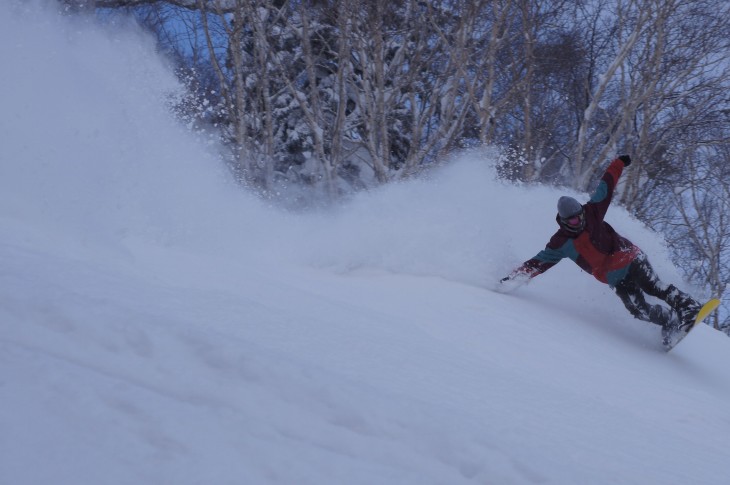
[{"x": 575, "y": 221}]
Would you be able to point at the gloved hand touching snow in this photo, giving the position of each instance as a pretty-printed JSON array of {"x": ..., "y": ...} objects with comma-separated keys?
[{"x": 510, "y": 283}]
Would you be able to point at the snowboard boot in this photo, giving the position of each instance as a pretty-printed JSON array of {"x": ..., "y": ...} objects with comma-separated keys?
[
  {"x": 674, "y": 328},
  {"x": 686, "y": 307},
  {"x": 687, "y": 313}
]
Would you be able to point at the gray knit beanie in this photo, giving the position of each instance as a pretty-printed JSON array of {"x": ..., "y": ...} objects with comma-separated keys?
[{"x": 568, "y": 206}]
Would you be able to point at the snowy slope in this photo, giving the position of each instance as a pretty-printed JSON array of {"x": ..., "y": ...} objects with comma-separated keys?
[{"x": 158, "y": 326}]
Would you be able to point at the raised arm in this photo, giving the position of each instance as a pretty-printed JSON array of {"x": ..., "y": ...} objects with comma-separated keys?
[{"x": 602, "y": 196}]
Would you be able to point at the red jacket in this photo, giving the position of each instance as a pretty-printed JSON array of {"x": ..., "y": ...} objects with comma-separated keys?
[{"x": 598, "y": 249}]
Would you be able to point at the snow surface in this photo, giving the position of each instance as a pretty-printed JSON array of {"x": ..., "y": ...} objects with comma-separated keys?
[{"x": 159, "y": 326}]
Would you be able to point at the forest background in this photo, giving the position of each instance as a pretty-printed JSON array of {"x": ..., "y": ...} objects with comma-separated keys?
[{"x": 313, "y": 100}]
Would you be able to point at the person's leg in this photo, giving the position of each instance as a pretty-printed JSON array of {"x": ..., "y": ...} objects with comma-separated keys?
[
  {"x": 633, "y": 299},
  {"x": 643, "y": 275}
]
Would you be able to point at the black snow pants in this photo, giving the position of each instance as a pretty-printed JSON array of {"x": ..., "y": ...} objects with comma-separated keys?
[{"x": 641, "y": 279}]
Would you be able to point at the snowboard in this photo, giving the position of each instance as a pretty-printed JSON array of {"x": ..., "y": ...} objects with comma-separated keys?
[{"x": 674, "y": 337}]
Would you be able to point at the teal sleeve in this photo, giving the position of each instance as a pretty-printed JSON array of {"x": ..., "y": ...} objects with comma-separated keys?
[{"x": 549, "y": 255}]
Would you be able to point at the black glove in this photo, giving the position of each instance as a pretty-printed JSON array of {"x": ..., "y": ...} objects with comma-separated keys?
[
  {"x": 626, "y": 159},
  {"x": 506, "y": 278}
]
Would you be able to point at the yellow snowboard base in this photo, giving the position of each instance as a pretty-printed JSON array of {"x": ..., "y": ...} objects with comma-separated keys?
[{"x": 672, "y": 340}]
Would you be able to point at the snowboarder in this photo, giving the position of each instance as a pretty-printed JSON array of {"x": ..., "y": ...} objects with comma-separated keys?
[{"x": 598, "y": 249}]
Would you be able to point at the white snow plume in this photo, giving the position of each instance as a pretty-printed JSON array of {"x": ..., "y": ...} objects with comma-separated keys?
[
  {"x": 89, "y": 145},
  {"x": 461, "y": 224}
]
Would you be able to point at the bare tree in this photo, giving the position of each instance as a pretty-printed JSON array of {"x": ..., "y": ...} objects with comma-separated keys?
[
  {"x": 677, "y": 82},
  {"x": 626, "y": 37},
  {"x": 434, "y": 83},
  {"x": 484, "y": 88}
]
